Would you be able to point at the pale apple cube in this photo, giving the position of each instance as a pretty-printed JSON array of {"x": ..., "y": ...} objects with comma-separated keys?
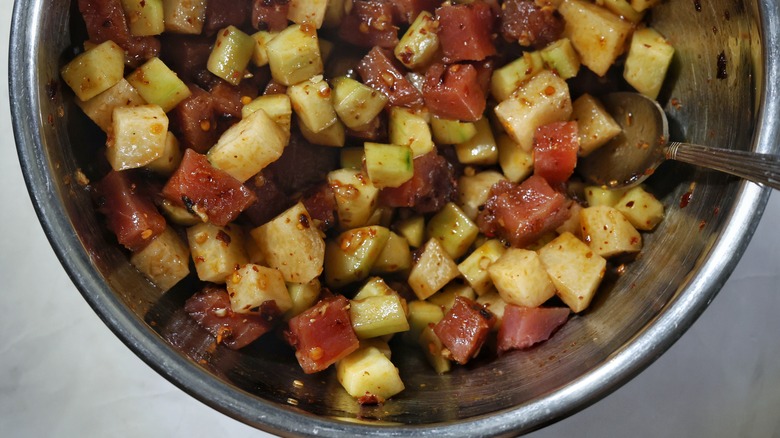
[
  {"x": 595, "y": 125},
  {"x": 313, "y": 104},
  {"x": 101, "y": 107},
  {"x": 475, "y": 267},
  {"x": 356, "y": 197},
  {"x": 252, "y": 285},
  {"x": 95, "y": 70},
  {"x": 649, "y": 57},
  {"x": 292, "y": 244},
  {"x": 516, "y": 163},
  {"x": 641, "y": 208},
  {"x": 608, "y": 232},
  {"x": 165, "y": 260},
  {"x": 434, "y": 269},
  {"x": 138, "y": 137},
  {"x": 294, "y": 54},
  {"x": 600, "y": 195},
  {"x": 169, "y": 161},
  {"x": 521, "y": 279},
  {"x": 303, "y": 296},
  {"x": 276, "y": 106},
  {"x": 574, "y": 268},
  {"x": 474, "y": 190},
  {"x": 307, "y": 11},
  {"x": 598, "y": 35},
  {"x": 541, "y": 100},
  {"x": 367, "y": 371},
  {"x": 248, "y": 146},
  {"x": 216, "y": 251}
]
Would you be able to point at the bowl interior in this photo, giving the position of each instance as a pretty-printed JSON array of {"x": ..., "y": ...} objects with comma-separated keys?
[{"x": 633, "y": 319}]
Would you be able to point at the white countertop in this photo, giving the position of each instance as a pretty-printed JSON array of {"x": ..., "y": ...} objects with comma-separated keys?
[{"x": 63, "y": 373}]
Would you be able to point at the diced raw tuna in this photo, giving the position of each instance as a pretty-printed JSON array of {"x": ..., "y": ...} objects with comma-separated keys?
[
  {"x": 105, "y": 20},
  {"x": 555, "y": 151},
  {"x": 464, "y": 329},
  {"x": 271, "y": 200},
  {"x": 369, "y": 24},
  {"x": 431, "y": 187},
  {"x": 522, "y": 213},
  {"x": 302, "y": 164},
  {"x": 270, "y": 15},
  {"x": 375, "y": 130},
  {"x": 197, "y": 185},
  {"x": 465, "y": 31},
  {"x": 454, "y": 92},
  {"x": 187, "y": 55},
  {"x": 405, "y": 11},
  {"x": 210, "y": 308},
  {"x": 223, "y": 13},
  {"x": 320, "y": 202},
  {"x": 522, "y": 327},
  {"x": 380, "y": 71},
  {"x": 530, "y": 25},
  {"x": 193, "y": 121},
  {"x": 130, "y": 214},
  {"x": 323, "y": 334},
  {"x": 229, "y": 99}
]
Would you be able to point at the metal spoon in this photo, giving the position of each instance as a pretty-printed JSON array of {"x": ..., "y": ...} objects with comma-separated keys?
[{"x": 633, "y": 155}]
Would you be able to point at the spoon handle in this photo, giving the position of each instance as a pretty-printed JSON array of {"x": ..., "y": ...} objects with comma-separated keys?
[{"x": 759, "y": 168}]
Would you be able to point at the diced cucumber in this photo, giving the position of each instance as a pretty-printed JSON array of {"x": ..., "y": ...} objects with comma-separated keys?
[
  {"x": 144, "y": 17},
  {"x": 276, "y": 106},
  {"x": 378, "y": 316},
  {"x": 170, "y": 158},
  {"x": 451, "y": 131},
  {"x": 480, "y": 149},
  {"x": 260, "y": 52},
  {"x": 453, "y": 229},
  {"x": 561, "y": 58},
  {"x": 409, "y": 127},
  {"x": 231, "y": 54},
  {"x": 420, "y": 42},
  {"x": 413, "y": 229},
  {"x": 158, "y": 84},
  {"x": 352, "y": 158},
  {"x": 184, "y": 16},
  {"x": 294, "y": 54},
  {"x": 356, "y": 104},
  {"x": 433, "y": 270},
  {"x": 350, "y": 256},
  {"x": 507, "y": 79},
  {"x": 388, "y": 165},
  {"x": 475, "y": 267},
  {"x": 395, "y": 256}
]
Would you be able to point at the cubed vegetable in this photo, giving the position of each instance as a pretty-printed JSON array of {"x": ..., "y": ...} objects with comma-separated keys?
[
  {"x": 597, "y": 195},
  {"x": 598, "y": 34},
  {"x": 473, "y": 190},
  {"x": 334, "y": 135},
  {"x": 395, "y": 256},
  {"x": 138, "y": 136},
  {"x": 313, "y": 104},
  {"x": 276, "y": 106},
  {"x": 507, "y": 79},
  {"x": 516, "y": 162},
  {"x": 543, "y": 99},
  {"x": 561, "y": 58},
  {"x": 596, "y": 126},
  {"x": 434, "y": 350},
  {"x": 413, "y": 230},
  {"x": 521, "y": 279},
  {"x": 368, "y": 372},
  {"x": 217, "y": 251},
  {"x": 454, "y": 230},
  {"x": 184, "y": 16},
  {"x": 310, "y": 12},
  {"x": 165, "y": 260},
  {"x": 649, "y": 57},
  {"x": 574, "y": 269},
  {"x": 378, "y": 316},
  {"x": 231, "y": 54},
  {"x": 608, "y": 232},
  {"x": 409, "y": 128},
  {"x": 248, "y": 146},
  {"x": 356, "y": 197},
  {"x": 446, "y": 131},
  {"x": 144, "y": 17},
  {"x": 101, "y": 107},
  {"x": 350, "y": 256},
  {"x": 433, "y": 270},
  {"x": 480, "y": 149},
  {"x": 355, "y": 103},
  {"x": 253, "y": 285},
  {"x": 158, "y": 84},
  {"x": 445, "y": 298},
  {"x": 294, "y": 54},
  {"x": 420, "y": 42},
  {"x": 292, "y": 244},
  {"x": 388, "y": 165},
  {"x": 303, "y": 296},
  {"x": 170, "y": 158},
  {"x": 641, "y": 208},
  {"x": 475, "y": 267},
  {"x": 95, "y": 70},
  {"x": 260, "y": 52}
]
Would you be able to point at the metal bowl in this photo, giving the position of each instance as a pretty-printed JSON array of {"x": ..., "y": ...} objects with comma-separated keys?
[{"x": 722, "y": 90}]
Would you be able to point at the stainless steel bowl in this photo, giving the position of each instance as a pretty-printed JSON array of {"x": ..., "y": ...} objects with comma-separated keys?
[{"x": 722, "y": 91}]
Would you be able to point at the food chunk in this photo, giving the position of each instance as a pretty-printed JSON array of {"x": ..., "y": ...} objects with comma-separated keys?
[
  {"x": 521, "y": 279},
  {"x": 555, "y": 151},
  {"x": 323, "y": 334},
  {"x": 523, "y": 327},
  {"x": 529, "y": 24},
  {"x": 210, "y": 308},
  {"x": 217, "y": 251},
  {"x": 453, "y": 92},
  {"x": 369, "y": 373},
  {"x": 380, "y": 71},
  {"x": 465, "y": 31},
  {"x": 253, "y": 285},
  {"x": 209, "y": 192},
  {"x": 165, "y": 260},
  {"x": 574, "y": 268},
  {"x": 464, "y": 329}
]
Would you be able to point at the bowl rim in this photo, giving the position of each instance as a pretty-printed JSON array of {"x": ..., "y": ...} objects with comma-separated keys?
[{"x": 623, "y": 365}]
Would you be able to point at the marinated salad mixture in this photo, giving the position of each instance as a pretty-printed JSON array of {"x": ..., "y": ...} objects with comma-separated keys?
[{"x": 344, "y": 172}]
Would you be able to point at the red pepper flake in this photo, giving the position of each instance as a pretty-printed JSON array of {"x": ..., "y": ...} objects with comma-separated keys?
[
  {"x": 686, "y": 199},
  {"x": 702, "y": 224}
]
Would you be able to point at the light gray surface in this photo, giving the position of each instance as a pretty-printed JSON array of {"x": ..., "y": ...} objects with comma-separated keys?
[{"x": 62, "y": 372}]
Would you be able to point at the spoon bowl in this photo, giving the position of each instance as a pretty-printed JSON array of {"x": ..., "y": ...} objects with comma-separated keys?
[{"x": 634, "y": 154}]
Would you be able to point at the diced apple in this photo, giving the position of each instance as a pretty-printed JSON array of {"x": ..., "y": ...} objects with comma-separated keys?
[
  {"x": 574, "y": 268},
  {"x": 608, "y": 232},
  {"x": 521, "y": 278},
  {"x": 252, "y": 285}
]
